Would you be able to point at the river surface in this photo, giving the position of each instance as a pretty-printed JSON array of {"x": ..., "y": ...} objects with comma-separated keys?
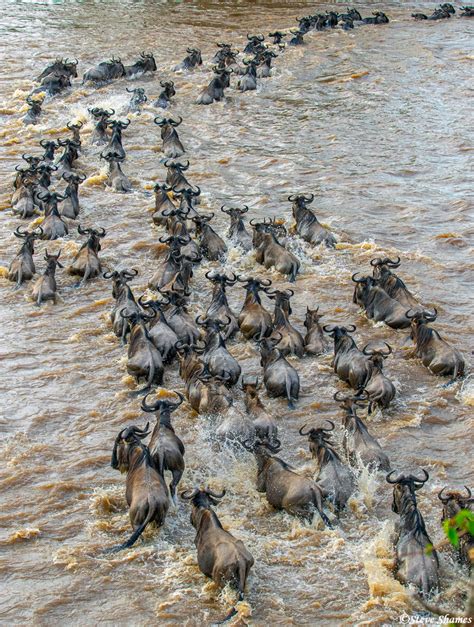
[{"x": 377, "y": 123}]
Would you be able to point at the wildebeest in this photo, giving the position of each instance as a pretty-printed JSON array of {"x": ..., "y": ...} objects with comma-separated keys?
[
  {"x": 266, "y": 59},
  {"x": 146, "y": 63},
  {"x": 254, "y": 43},
  {"x": 467, "y": 11},
  {"x": 100, "y": 135},
  {"x": 53, "y": 84},
  {"x": 415, "y": 564},
  {"x": 307, "y": 224},
  {"x": 297, "y": 39},
  {"x": 392, "y": 283},
  {"x": 435, "y": 353},
  {"x": 53, "y": 224},
  {"x": 104, "y": 72},
  {"x": 279, "y": 377},
  {"x": 34, "y": 111},
  {"x": 70, "y": 155},
  {"x": 219, "y": 307},
  {"x": 264, "y": 425},
  {"x": 215, "y": 90},
  {"x": 278, "y": 36},
  {"x": 314, "y": 340},
  {"x": 166, "y": 448},
  {"x": 86, "y": 262},
  {"x": 124, "y": 299},
  {"x": 334, "y": 478},
  {"x": 290, "y": 340},
  {"x": 172, "y": 146},
  {"x": 50, "y": 148},
  {"x": 175, "y": 177},
  {"x": 22, "y": 267},
  {"x": 379, "y": 389},
  {"x": 221, "y": 556},
  {"x": 178, "y": 318},
  {"x": 115, "y": 146},
  {"x": 248, "y": 82},
  {"x": 146, "y": 491},
  {"x": 350, "y": 363},
  {"x": 144, "y": 360},
  {"x": 137, "y": 100},
  {"x": 162, "y": 335},
  {"x": 61, "y": 66},
  {"x": 116, "y": 178},
  {"x": 378, "y": 305},
  {"x": 192, "y": 60},
  {"x": 283, "y": 487},
  {"x": 215, "y": 356},
  {"x": 379, "y": 18},
  {"x": 164, "y": 98},
  {"x": 45, "y": 287},
  {"x": 237, "y": 231},
  {"x": 255, "y": 321},
  {"x": 359, "y": 445},
  {"x": 270, "y": 252},
  {"x": 75, "y": 128},
  {"x": 162, "y": 203},
  {"x": 211, "y": 244},
  {"x": 453, "y": 502},
  {"x": 71, "y": 208}
]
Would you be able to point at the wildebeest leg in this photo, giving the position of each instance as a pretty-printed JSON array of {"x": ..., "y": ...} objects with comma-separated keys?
[
  {"x": 19, "y": 279},
  {"x": 318, "y": 504},
  {"x": 38, "y": 300},
  {"x": 86, "y": 276},
  {"x": 177, "y": 474}
]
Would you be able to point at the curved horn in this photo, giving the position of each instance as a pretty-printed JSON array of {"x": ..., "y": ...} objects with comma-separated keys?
[
  {"x": 357, "y": 280},
  {"x": 187, "y": 495},
  {"x": 300, "y": 431},
  {"x": 214, "y": 494},
  {"x": 389, "y": 477},
  {"x": 333, "y": 426},
  {"x": 440, "y": 496}
]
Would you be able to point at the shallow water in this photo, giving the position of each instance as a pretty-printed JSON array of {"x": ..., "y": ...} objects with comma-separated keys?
[{"x": 375, "y": 123}]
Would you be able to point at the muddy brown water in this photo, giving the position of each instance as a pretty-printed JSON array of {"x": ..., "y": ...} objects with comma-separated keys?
[{"x": 376, "y": 124}]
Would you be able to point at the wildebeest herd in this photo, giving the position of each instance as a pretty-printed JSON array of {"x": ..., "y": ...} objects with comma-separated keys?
[{"x": 159, "y": 330}]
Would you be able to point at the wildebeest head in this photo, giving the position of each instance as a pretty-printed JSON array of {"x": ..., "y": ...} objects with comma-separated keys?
[
  {"x": 401, "y": 484},
  {"x": 127, "y": 437},
  {"x": 382, "y": 265},
  {"x": 453, "y": 501},
  {"x": 201, "y": 499},
  {"x": 337, "y": 332},
  {"x": 318, "y": 435},
  {"x": 312, "y": 317},
  {"x": 162, "y": 405},
  {"x": 377, "y": 356},
  {"x": 95, "y": 235}
]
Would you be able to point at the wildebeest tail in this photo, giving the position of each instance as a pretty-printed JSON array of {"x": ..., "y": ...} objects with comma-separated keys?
[{"x": 135, "y": 535}]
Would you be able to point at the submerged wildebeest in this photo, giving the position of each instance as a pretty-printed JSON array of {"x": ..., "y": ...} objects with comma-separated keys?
[
  {"x": 33, "y": 112},
  {"x": 307, "y": 224},
  {"x": 146, "y": 491},
  {"x": 137, "y": 100},
  {"x": 164, "y": 98},
  {"x": 104, "y": 72},
  {"x": 263, "y": 423},
  {"x": 86, "y": 262},
  {"x": 290, "y": 340},
  {"x": 379, "y": 389},
  {"x": 350, "y": 363},
  {"x": 279, "y": 377},
  {"x": 283, "y": 487},
  {"x": 359, "y": 445},
  {"x": 454, "y": 502},
  {"x": 237, "y": 230},
  {"x": 219, "y": 307},
  {"x": 146, "y": 63},
  {"x": 215, "y": 90},
  {"x": 71, "y": 208},
  {"x": 415, "y": 564},
  {"x": 166, "y": 448},
  {"x": 116, "y": 178},
  {"x": 435, "y": 353},
  {"x": 255, "y": 321},
  {"x": 172, "y": 146},
  {"x": 270, "y": 252},
  {"x": 22, "y": 267},
  {"x": 45, "y": 287},
  {"x": 124, "y": 299},
  {"x": 334, "y": 478},
  {"x": 378, "y": 305},
  {"x": 314, "y": 340},
  {"x": 192, "y": 60},
  {"x": 221, "y": 556}
]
